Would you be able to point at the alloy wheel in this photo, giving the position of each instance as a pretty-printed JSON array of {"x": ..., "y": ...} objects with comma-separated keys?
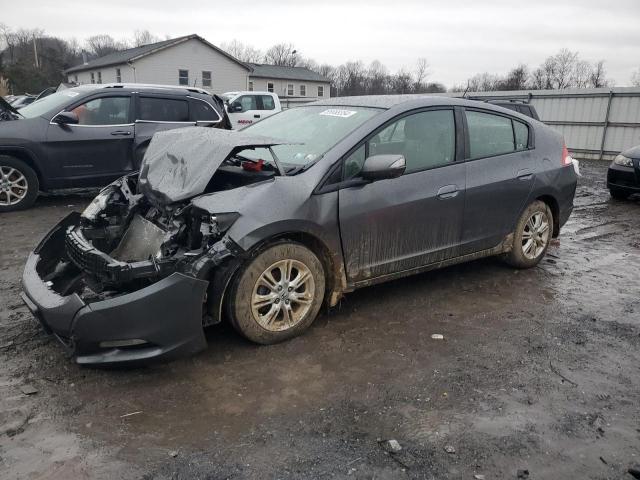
[
  {"x": 283, "y": 295},
  {"x": 13, "y": 186},
  {"x": 535, "y": 235}
]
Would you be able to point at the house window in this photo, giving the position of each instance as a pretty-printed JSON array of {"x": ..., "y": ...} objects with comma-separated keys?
[
  {"x": 99, "y": 77},
  {"x": 93, "y": 77},
  {"x": 290, "y": 89},
  {"x": 251, "y": 86},
  {"x": 270, "y": 87},
  {"x": 303, "y": 90},
  {"x": 206, "y": 78},
  {"x": 321, "y": 91},
  {"x": 118, "y": 76},
  {"x": 183, "y": 77}
]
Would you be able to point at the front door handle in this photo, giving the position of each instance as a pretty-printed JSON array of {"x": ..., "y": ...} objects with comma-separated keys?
[
  {"x": 256, "y": 116},
  {"x": 448, "y": 191},
  {"x": 121, "y": 133},
  {"x": 525, "y": 174}
]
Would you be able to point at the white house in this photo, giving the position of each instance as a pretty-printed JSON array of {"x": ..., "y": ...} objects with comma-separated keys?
[{"x": 193, "y": 61}]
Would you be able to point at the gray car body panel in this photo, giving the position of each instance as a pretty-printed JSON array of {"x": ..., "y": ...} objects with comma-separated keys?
[{"x": 370, "y": 231}]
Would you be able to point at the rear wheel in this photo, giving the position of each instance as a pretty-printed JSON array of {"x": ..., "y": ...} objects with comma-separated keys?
[
  {"x": 532, "y": 236},
  {"x": 18, "y": 184},
  {"x": 278, "y": 294},
  {"x": 618, "y": 193}
]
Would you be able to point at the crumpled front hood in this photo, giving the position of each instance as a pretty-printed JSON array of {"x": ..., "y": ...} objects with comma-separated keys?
[{"x": 179, "y": 163}]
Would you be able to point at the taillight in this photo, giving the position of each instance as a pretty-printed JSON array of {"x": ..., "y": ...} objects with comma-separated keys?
[{"x": 566, "y": 158}]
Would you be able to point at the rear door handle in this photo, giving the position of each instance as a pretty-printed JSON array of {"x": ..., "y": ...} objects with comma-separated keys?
[
  {"x": 448, "y": 191},
  {"x": 525, "y": 174},
  {"x": 256, "y": 116},
  {"x": 121, "y": 133}
]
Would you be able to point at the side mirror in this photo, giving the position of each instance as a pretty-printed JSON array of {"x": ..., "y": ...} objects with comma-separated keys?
[
  {"x": 235, "y": 107},
  {"x": 66, "y": 118},
  {"x": 380, "y": 167}
]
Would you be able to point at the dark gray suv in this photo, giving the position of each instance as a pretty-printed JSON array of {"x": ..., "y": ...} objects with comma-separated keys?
[
  {"x": 88, "y": 136},
  {"x": 264, "y": 225}
]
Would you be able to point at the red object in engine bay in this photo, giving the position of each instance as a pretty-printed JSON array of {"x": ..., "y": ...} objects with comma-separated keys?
[{"x": 253, "y": 166}]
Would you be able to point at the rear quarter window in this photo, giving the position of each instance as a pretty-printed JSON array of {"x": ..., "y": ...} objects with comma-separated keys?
[
  {"x": 489, "y": 134},
  {"x": 158, "y": 109},
  {"x": 521, "y": 135}
]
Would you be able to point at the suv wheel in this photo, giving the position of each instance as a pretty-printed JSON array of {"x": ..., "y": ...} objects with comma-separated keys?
[
  {"x": 18, "y": 184},
  {"x": 532, "y": 236},
  {"x": 278, "y": 294}
]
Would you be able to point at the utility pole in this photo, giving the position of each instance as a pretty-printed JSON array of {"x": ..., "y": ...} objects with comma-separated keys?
[{"x": 35, "y": 53}]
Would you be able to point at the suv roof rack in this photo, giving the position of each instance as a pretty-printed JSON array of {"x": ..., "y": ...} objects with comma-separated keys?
[
  {"x": 507, "y": 100},
  {"x": 157, "y": 87}
]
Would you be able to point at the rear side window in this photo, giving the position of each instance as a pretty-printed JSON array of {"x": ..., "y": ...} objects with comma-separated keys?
[
  {"x": 521, "y": 135},
  {"x": 489, "y": 134},
  {"x": 266, "y": 102},
  {"x": 202, "y": 111},
  {"x": 163, "y": 110}
]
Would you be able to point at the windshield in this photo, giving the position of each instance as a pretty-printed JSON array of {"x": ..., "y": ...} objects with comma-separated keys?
[
  {"x": 313, "y": 129},
  {"x": 55, "y": 101}
]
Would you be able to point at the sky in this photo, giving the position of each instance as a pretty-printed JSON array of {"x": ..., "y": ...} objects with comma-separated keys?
[{"x": 458, "y": 38}]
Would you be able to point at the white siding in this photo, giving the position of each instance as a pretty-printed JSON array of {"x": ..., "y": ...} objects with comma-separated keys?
[
  {"x": 280, "y": 87},
  {"x": 162, "y": 68}
]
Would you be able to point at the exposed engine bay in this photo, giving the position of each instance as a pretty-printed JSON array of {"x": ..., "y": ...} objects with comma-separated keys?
[{"x": 123, "y": 242}]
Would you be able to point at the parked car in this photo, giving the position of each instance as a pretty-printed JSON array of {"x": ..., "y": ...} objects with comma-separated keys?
[
  {"x": 623, "y": 176},
  {"x": 7, "y": 112},
  {"x": 517, "y": 106},
  {"x": 264, "y": 225},
  {"x": 90, "y": 135},
  {"x": 245, "y": 108},
  {"x": 22, "y": 101}
]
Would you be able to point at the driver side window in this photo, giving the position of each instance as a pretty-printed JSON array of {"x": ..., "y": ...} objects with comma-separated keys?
[
  {"x": 425, "y": 139},
  {"x": 104, "y": 111}
]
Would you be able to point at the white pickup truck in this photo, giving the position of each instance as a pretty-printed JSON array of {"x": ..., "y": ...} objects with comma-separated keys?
[{"x": 245, "y": 108}]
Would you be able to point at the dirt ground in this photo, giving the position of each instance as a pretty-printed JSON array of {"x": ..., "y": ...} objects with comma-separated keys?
[{"x": 539, "y": 370}]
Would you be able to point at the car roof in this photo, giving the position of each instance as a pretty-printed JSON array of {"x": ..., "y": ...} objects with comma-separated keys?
[
  {"x": 136, "y": 87},
  {"x": 413, "y": 101}
]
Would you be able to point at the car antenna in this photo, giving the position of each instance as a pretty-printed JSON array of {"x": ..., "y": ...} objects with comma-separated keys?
[{"x": 464, "y": 95}]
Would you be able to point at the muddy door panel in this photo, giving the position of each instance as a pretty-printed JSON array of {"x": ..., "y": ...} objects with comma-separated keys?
[
  {"x": 497, "y": 189},
  {"x": 400, "y": 224}
]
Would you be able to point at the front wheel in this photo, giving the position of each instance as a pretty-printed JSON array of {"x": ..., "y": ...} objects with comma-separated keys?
[
  {"x": 532, "y": 236},
  {"x": 18, "y": 184},
  {"x": 278, "y": 294}
]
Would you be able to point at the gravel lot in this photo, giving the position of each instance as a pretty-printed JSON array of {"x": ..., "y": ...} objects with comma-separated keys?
[{"x": 538, "y": 370}]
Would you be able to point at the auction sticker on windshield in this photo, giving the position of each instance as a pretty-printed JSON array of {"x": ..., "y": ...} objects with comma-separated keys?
[{"x": 336, "y": 112}]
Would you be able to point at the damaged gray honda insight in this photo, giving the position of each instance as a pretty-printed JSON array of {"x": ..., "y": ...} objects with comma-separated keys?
[{"x": 265, "y": 225}]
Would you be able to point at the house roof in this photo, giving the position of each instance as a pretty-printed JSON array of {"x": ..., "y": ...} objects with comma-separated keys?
[
  {"x": 262, "y": 70},
  {"x": 132, "y": 54}
]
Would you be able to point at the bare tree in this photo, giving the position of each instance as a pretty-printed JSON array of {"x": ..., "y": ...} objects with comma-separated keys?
[
  {"x": 377, "y": 78},
  {"x": 635, "y": 78},
  {"x": 420, "y": 73},
  {"x": 516, "y": 79},
  {"x": 598, "y": 75},
  {"x": 144, "y": 37},
  {"x": 242, "y": 51},
  {"x": 282, "y": 54},
  {"x": 402, "y": 81},
  {"x": 101, "y": 45}
]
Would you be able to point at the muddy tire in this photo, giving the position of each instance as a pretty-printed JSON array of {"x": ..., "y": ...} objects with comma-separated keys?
[
  {"x": 618, "y": 194},
  {"x": 18, "y": 184},
  {"x": 532, "y": 236},
  {"x": 278, "y": 294}
]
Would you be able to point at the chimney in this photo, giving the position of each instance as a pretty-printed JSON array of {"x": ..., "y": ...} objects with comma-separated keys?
[{"x": 84, "y": 57}]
